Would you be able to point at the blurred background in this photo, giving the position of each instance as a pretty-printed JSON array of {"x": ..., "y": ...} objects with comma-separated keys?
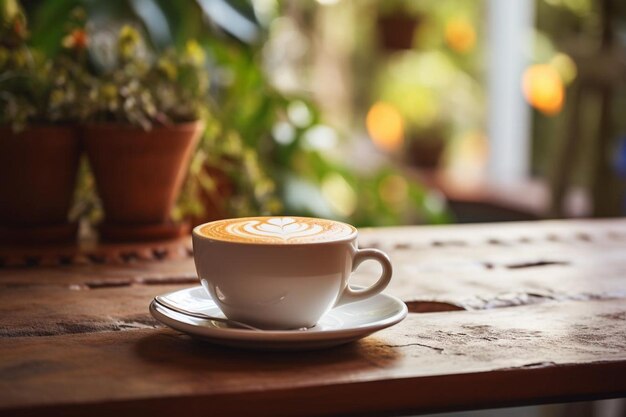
[
  {"x": 375, "y": 112},
  {"x": 383, "y": 112}
]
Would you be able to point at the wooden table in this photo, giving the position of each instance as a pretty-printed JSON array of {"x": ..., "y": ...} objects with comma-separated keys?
[{"x": 501, "y": 315}]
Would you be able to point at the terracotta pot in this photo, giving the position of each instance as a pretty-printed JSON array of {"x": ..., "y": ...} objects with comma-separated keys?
[
  {"x": 139, "y": 173},
  {"x": 37, "y": 176},
  {"x": 425, "y": 153},
  {"x": 396, "y": 31}
]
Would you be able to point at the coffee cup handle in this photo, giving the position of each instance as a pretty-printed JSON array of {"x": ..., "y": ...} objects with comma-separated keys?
[{"x": 349, "y": 295}]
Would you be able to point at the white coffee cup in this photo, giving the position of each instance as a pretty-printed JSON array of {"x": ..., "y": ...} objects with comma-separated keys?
[{"x": 282, "y": 272}]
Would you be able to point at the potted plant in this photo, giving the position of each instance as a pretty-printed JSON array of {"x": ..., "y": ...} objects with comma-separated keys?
[
  {"x": 39, "y": 144},
  {"x": 396, "y": 25},
  {"x": 144, "y": 124},
  {"x": 425, "y": 147}
]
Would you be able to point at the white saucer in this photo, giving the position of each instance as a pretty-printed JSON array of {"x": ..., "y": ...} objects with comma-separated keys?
[{"x": 340, "y": 325}]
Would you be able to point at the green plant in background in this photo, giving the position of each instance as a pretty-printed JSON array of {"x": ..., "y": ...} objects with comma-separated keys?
[
  {"x": 243, "y": 165},
  {"x": 18, "y": 77},
  {"x": 223, "y": 161},
  {"x": 122, "y": 95},
  {"x": 70, "y": 76},
  {"x": 34, "y": 89},
  {"x": 435, "y": 84},
  {"x": 142, "y": 89}
]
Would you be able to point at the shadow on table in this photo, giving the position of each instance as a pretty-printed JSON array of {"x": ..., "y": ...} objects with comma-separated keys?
[{"x": 175, "y": 350}]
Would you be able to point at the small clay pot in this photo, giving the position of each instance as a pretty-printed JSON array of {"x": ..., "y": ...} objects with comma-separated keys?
[
  {"x": 396, "y": 31},
  {"x": 139, "y": 173},
  {"x": 425, "y": 154},
  {"x": 38, "y": 169}
]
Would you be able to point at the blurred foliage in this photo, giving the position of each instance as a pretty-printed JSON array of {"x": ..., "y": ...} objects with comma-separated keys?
[
  {"x": 34, "y": 89},
  {"x": 252, "y": 136},
  {"x": 565, "y": 30},
  {"x": 436, "y": 84},
  {"x": 139, "y": 88}
]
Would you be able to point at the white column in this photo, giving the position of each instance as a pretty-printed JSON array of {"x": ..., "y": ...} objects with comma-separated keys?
[{"x": 509, "y": 48}]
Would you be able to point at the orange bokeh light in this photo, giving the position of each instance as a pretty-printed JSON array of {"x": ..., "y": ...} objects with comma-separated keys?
[
  {"x": 543, "y": 88},
  {"x": 460, "y": 35},
  {"x": 385, "y": 126}
]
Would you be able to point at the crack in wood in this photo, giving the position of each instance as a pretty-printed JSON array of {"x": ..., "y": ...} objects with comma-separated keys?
[
  {"x": 441, "y": 243},
  {"x": 531, "y": 298},
  {"x": 129, "y": 257},
  {"x": 86, "y": 254},
  {"x": 96, "y": 259},
  {"x": 160, "y": 254},
  {"x": 137, "y": 324},
  {"x": 536, "y": 264},
  {"x": 502, "y": 301},
  {"x": 534, "y": 365},
  {"x": 113, "y": 283},
  {"x": 552, "y": 237},
  {"x": 526, "y": 264},
  {"x": 436, "y": 349},
  {"x": 125, "y": 324},
  {"x": 419, "y": 306},
  {"x": 402, "y": 246},
  {"x": 96, "y": 285},
  {"x": 170, "y": 280}
]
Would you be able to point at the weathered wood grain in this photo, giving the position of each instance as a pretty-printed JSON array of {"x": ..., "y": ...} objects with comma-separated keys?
[
  {"x": 436, "y": 268},
  {"x": 477, "y": 278},
  {"x": 27, "y": 311},
  {"x": 78, "y": 340},
  {"x": 495, "y": 234},
  {"x": 487, "y": 266},
  {"x": 433, "y": 362},
  {"x": 97, "y": 276},
  {"x": 92, "y": 253},
  {"x": 436, "y": 279}
]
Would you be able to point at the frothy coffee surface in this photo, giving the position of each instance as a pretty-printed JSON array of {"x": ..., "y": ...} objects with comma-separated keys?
[{"x": 277, "y": 230}]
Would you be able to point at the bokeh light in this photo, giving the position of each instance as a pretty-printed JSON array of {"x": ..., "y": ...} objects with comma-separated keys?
[
  {"x": 283, "y": 133},
  {"x": 460, "y": 34},
  {"x": 320, "y": 138},
  {"x": 385, "y": 126},
  {"x": 565, "y": 66},
  {"x": 394, "y": 189},
  {"x": 467, "y": 162},
  {"x": 543, "y": 88},
  {"x": 299, "y": 114},
  {"x": 339, "y": 194}
]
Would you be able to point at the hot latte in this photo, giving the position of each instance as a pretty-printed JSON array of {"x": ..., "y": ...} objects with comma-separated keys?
[
  {"x": 277, "y": 230},
  {"x": 281, "y": 272}
]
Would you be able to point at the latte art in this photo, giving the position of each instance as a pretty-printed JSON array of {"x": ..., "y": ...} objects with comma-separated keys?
[
  {"x": 281, "y": 227},
  {"x": 277, "y": 230}
]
